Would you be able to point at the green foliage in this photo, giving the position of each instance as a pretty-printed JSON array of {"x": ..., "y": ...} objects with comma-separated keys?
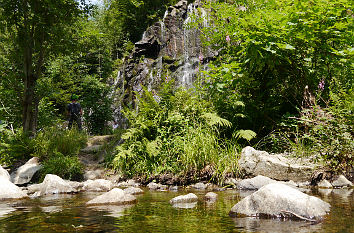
[
  {"x": 174, "y": 132},
  {"x": 66, "y": 167},
  {"x": 54, "y": 140}
]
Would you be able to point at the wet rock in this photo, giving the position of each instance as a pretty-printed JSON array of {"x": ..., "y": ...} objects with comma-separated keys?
[
  {"x": 98, "y": 185},
  {"x": 133, "y": 190},
  {"x": 199, "y": 186},
  {"x": 4, "y": 173},
  {"x": 254, "y": 183},
  {"x": 341, "y": 182},
  {"x": 24, "y": 174},
  {"x": 190, "y": 197},
  {"x": 281, "y": 201},
  {"x": 116, "y": 196},
  {"x": 275, "y": 166},
  {"x": 53, "y": 184},
  {"x": 9, "y": 190},
  {"x": 211, "y": 196},
  {"x": 154, "y": 186},
  {"x": 325, "y": 184}
]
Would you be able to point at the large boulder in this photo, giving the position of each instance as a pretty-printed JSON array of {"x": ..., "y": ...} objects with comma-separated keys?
[
  {"x": 281, "y": 201},
  {"x": 190, "y": 197},
  {"x": 98, "y": 185},
  {"x": 24, "y": 174},
  {"x": 254, "y": 183},
  {"x": 116, "y": 196},
  {"x": 53, "y": 184},
  {"x": 9, "y": 190},
  {"x": 275, "y": 166},
  {"x": 4, "y": 173}
]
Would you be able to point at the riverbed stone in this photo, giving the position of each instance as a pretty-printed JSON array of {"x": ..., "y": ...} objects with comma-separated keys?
[
  {"x": 199, "y": 186},
  {"x": 99, "y": 185},
  {"x": 24, "y": 174},
  {"x": 341, "y": 182},
  {"x": 133, "y": 190},
  {"x": 254, "y": 183},
  {"x": 211, "y": 196},
  {"x": 155, "y": 186},
  {"x": 275, "y": 166},
  {"x": 53, "y": 184},
  {"x": 128, "y": 183},
  {"x": 4, "y": 173},
  {"x": 324, "y": 184},
  {"x": 116, "y": 196},
  {"x": 280, "y": 200},
  {"x": 8, "y": 190},
  {"x": 190, "y": 197}
]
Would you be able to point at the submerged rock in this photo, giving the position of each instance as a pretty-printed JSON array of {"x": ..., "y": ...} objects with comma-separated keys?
[
  {"x": 275, "y": 166},
  {"x": 341, "y": 181},
  {"x": 4, "y": 174},
  {"x": 9, "y": 190},
  {"x": 325, "y": 184},
  {"x": 254, "y": 183},
  {"x": 133, "y": 190},
  {"x": 98, "y": 185},
  {"x": 210, "y": 196},
  {"x": 53, "y": 184},
  {"x": 281, "y": 201},
  {"x": 24, "y": 174},
  {"x": 190, "y": 197},
  {"x": 116, "y": 196}
]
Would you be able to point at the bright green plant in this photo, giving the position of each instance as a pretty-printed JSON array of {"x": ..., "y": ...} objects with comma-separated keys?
[
  {"x": 66, "y": 167},
  {"x": 175, "y": 132}
]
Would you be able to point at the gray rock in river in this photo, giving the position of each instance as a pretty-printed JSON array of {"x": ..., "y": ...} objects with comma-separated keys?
[
  {"x": 211, "y": 196},
  {"x": 280, "y": 200},
  {"x": 4, "y": 173},
  {"x": 24, "y": 174},
  {"x": 275, "y": 166},
  {"x": 190, "y": 197},
  {"x": 199, "y": 186},
  {"x": 133, "y": 190},
  {"x": 154, "y": 186},
  {"x": 324, "y": 184},
  {"x": 53, "y": 184},
  {"x": 254, "y": 183},
  {"x": 341, "y": 181},
  {"x": 99, "y": 185},
  {"x": 116, "y": 197},
  {"x": 9, "y": 190}
]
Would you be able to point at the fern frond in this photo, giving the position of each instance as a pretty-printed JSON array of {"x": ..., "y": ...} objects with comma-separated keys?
[
  {"x": 213, "y": 119},
  {"x": 245, "y": 134}
]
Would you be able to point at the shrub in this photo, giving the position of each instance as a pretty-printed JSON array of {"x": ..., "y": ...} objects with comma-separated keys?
[{"x": 66, "y": 167}]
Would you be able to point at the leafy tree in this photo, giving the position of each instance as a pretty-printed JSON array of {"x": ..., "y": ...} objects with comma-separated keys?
[{"x": 38, "y": 29}]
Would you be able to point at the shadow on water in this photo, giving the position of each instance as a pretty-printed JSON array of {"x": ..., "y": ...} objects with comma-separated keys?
[{"x": 154, "y": 213}]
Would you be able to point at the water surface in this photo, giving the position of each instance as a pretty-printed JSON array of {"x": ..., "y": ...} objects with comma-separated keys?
[{"x": 153, "y": 213}]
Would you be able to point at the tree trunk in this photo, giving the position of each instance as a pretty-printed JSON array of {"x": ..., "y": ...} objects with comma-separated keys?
[{"x": 29, "y": 105}]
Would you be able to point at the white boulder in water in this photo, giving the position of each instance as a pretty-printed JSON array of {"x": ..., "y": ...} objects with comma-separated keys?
[
  {"x": 341, "y": 181},
  {"x": 190, "y": 197},
  {"x": 98, "y": 185},
  {"x": 281, "y": 201},
  {"x": 254, "y": 183},
  {"x": 116, "y": 197},
  {"x": 9, "y": 190},
  {"x": 53, "y": 184},
  {"x": 24, "y": 174},
  {"x": 4, "y": 174}
]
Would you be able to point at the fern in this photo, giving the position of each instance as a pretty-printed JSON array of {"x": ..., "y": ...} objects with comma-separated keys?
[
  {"x": 245, "y": 134},
  {"x": 212, "y": 119}
]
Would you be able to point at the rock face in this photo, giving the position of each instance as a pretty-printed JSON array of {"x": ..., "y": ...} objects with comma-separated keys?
[
  {"x": 53, "y": 184},
  {"x": 98, "y": 185},
  {"x": 168, "y": 50},
  {"x": 254, "y": 183},
  {"x": 275, "y": 166},
  {"x": 341, "y": 181},
  {"x": 278, "y": 201},
  {"x": 10, "y": 191},
  {"x": 190, "y": 197},
  {"x": 116, "y": 196},
  {"x": 4, "y": 174},
  {"x": 24, "y": 174}
]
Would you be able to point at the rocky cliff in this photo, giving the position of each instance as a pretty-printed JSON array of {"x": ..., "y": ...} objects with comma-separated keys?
[{"x": 168, "y": 50}]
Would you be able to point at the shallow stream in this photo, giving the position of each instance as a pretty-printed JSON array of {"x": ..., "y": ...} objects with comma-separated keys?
[{"x": 154, "y": 213}]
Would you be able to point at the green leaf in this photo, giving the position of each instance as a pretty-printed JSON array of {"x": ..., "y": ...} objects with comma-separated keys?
[{"x": 245, "y": 134}]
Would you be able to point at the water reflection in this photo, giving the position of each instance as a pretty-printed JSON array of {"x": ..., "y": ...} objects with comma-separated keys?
[
  {"x": 113, "y": 210},
  {"x": 5, "y": 209},
  {"x": 185, "y": 205}
]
